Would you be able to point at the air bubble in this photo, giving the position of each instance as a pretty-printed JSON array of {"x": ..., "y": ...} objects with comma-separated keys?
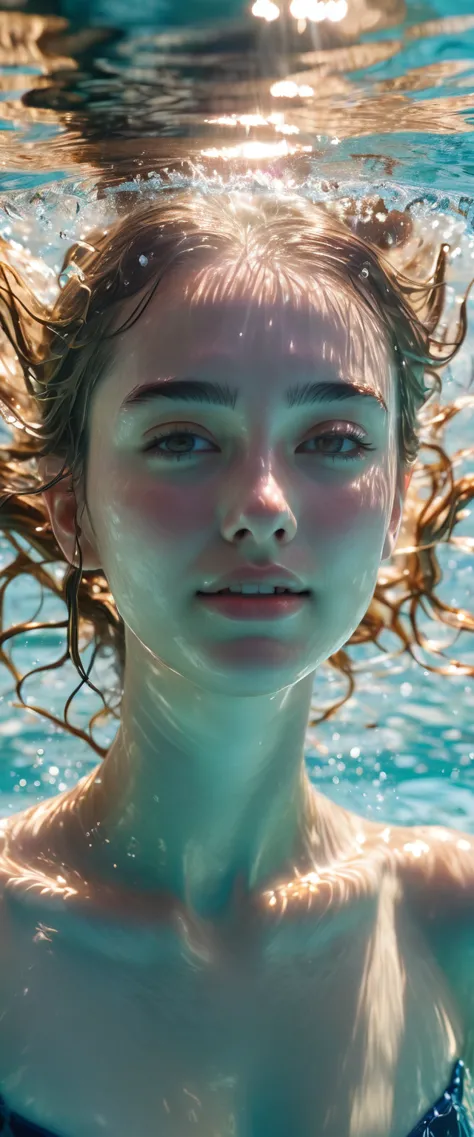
[
  {"x": 143, "y": 260},
  {"x": 69, "y": 271}
]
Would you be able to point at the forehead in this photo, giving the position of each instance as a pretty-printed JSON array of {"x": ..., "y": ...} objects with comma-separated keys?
[{"x": 182, "y": 332}]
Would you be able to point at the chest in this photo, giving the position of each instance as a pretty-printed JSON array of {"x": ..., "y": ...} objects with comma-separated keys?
[{"x": 342, "y": 1027}]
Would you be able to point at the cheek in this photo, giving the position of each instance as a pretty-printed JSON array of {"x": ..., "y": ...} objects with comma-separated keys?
[
  {"x": 151, "y": 532},
  {"x": 350, "y": 510},
  {"x": 334, "y": 513},
  {"x": 157, "y": 506}
]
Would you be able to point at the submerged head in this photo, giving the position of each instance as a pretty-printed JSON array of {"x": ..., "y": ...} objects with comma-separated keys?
[{"x": 263, "y": 298}]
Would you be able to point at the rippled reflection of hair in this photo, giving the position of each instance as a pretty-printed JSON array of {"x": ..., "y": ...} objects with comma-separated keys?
[{"x": 62, "y": 354}]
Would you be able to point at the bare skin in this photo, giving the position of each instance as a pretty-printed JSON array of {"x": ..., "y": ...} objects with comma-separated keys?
[{"x": 196, "y": 940}]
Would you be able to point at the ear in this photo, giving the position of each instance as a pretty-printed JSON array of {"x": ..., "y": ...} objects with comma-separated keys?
[
  {"x": 63, "y": 508},
  {"x": 397, "y": 514}
]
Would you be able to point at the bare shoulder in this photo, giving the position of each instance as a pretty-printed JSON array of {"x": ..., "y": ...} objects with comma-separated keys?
[
  {"x": 8, "y": 872},
  {"x": 5, "y": 863},
  {"x": 436, "y": 874},
  {"x": 13, "y": 869},
  {"x": 437, "y": 870},
  {"x": 24, "y": 878}
]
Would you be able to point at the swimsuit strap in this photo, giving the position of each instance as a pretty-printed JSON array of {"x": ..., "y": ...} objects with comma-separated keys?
[{"x": 448, "y": 1117}]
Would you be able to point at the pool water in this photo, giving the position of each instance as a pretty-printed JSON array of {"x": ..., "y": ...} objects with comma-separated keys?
[{"x": 379, "y": 100}]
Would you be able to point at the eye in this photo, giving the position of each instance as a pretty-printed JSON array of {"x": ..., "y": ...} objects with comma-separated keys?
[
  {"x": 181, "y": 438},
  {"x": 338, "y": 437},
  {"x": 181, "y": 444}
]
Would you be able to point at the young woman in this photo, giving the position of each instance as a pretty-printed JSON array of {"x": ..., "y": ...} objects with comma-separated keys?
[{"x": 194, "y": 939}]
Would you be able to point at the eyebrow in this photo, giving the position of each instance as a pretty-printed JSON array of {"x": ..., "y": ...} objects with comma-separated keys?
[{"x": 221, "y": 395}]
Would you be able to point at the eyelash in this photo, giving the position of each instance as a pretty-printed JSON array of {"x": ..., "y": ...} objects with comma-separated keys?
[{"x": 351, "y": 432}]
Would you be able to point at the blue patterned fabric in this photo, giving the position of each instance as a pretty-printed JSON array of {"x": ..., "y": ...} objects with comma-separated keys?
[
  {"x": 451, "y": 1116},
  {"x": 12, "y": 1125}
]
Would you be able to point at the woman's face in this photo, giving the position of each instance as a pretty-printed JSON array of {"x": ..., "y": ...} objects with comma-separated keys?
[{"x": 255, "y": 483}]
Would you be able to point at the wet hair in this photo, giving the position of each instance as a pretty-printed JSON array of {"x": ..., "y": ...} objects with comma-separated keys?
[{"x": 269, "y": 246}]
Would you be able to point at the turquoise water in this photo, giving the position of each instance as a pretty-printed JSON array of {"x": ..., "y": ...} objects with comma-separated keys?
[{"x": 95, "y": 103}]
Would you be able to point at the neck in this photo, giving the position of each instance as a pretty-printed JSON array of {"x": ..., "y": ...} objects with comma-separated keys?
[{"x": 200, "y": 791}]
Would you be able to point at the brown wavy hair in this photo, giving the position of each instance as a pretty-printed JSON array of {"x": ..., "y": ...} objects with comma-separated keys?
[{"x": 59, "y": 354}]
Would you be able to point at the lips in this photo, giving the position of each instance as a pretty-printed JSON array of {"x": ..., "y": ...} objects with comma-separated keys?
[
  {"x": 276, "y": 591},
  {"x": 253, "y": 606},
  {"x": 266, "y": 576}
]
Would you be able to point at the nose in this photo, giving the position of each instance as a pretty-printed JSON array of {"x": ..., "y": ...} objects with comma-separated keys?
[{"x": 263, "y": 513}]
